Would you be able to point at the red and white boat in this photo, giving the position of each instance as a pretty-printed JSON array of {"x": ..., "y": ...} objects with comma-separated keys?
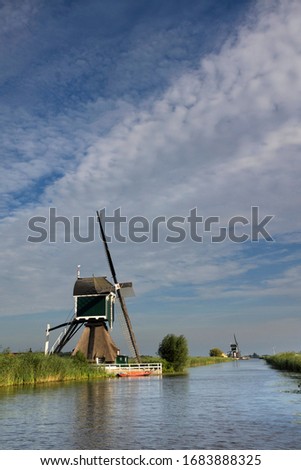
[{"x": 134, "y": 373}]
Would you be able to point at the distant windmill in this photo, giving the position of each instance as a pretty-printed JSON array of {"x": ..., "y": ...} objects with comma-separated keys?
[
  {"x": 234, "y": 349},
  {"x": 95, "y": 299}
]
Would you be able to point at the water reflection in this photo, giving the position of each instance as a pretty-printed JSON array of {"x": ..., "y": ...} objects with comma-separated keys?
[
  {"x": 243, "y": 405},
  {"x": 115, "y": 413}
]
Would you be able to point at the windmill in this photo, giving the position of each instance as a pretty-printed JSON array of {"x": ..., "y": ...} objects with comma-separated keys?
[
  {"x": 235, "y": 352},
  {"x": 95, "y": 299}
]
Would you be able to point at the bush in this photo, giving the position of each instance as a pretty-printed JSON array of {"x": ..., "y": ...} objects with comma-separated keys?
[
  {"x": 216, "y": 352},
  {"x": 174, "y": 350}
]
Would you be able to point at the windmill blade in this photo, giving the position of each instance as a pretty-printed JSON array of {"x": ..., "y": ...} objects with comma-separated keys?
[
  {"x": 127, "y": 289},
  {"x": 124, "y": 329},
  {"x": 109, "y": 258},
  {"x": 118, "y": 289},
  {"x": 128, "y": 324}
]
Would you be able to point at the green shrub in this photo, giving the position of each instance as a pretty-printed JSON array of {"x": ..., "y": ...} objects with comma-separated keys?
[
  {"x": 174, "y": 350},
  {"x": 216, "y": 352}
]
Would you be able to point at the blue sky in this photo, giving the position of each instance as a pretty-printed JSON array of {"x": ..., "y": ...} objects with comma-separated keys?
[{"x": 155, "y": 108}]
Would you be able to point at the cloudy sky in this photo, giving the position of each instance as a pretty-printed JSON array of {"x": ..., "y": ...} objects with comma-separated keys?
[{"x": 157, "y": 111}]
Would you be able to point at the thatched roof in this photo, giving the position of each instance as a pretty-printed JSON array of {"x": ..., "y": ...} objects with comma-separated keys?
[
  {"x": 99, "y": 285},
  {"x": 92, "y": 286},
  {"x": 96, "y": 341}
]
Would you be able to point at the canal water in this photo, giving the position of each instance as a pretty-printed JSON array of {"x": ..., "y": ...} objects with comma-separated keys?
[{"x": 236, "y": 405}]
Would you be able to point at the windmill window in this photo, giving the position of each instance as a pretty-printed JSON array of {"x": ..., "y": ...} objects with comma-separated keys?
[{"x": 94, "y": 306}]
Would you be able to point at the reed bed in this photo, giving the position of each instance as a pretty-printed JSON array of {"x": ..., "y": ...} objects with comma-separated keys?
[
  {"x": 33, "y": 368},
  {"x": 196, "y": 361},
  {"x": 288, "y": 361},
  {"x": 193, "y": 361}
]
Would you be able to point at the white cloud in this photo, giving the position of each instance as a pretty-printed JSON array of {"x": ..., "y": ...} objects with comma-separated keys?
[{"x": 222, "y": 138}]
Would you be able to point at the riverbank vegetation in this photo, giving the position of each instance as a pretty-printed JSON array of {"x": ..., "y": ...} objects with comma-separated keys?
[
  {"x": 216, "y": 352},
  {"x": 33, "y": 368},
  {"x": 288, "y": 361},
  {"x": 197, "y": 361},
  {"x": 192, "y": 361},
  {"x": 174, "y": 351}
]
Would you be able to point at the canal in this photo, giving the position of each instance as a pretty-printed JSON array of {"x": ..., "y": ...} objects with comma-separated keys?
[{"x": 236, "y": 405}]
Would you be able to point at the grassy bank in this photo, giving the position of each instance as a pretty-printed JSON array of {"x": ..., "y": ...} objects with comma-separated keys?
[
  {"x": 193, "y": 361},
  {"x": 289, "y": 361},
  {"x": 196, "y": 361},
  {"x": 33, "y": 368}
]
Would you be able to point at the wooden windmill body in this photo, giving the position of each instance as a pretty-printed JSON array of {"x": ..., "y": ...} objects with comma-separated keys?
[{"x": 94, "y": 299}]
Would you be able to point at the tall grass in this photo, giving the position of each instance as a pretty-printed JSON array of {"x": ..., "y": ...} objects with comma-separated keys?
[
  {"x": 196, "y": 361},
  {"x": 193, "y": 361},
  {"x": 32, "y": 368},
  {"x": 289, "y": 361}
]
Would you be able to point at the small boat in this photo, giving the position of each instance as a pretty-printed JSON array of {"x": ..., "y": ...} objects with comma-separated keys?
[{"x": 134, "y": 373}]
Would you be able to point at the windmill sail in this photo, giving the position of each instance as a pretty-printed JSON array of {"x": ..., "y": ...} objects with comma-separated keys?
[
  {"x": 124, "y": 329},
  {"x": 119, "y": 293},
  {"x": 237, "y": 347}
]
